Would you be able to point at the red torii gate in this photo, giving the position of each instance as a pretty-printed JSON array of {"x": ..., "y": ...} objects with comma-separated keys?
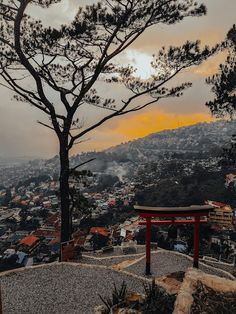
[{"x": 198, "y": 213}]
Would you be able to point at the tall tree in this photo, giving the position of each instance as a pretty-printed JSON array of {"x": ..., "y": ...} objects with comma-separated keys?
[
  {"x": 224, "y": 82},
  {"x": 223, "y": 85},
  {"x": 41, "y": 64}
]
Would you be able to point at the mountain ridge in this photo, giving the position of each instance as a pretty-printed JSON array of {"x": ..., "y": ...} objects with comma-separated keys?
[
  {"x": 200, "y": 137},
  {"x": 198, "y": 141}
]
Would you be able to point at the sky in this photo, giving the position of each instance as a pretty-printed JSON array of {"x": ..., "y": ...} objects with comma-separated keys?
[{"x": 20, "y": 135}]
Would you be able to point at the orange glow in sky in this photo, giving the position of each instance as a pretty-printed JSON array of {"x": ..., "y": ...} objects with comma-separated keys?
[
  {"x": 151, "y": 122},
  {"x": 137, "y": 126}
]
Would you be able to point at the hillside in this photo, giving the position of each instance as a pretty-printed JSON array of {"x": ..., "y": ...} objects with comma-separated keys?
[
  {"x": 198, "y": 139},
  {"x": 195, "y": 143},
  {"x": 201, "y": 137}
]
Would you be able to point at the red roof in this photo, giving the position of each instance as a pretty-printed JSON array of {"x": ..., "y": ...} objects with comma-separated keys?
[
  {"x": 218, "y": 204},
  {"x": 99, "y": 230},
  {"x": 53, "y": 219},
  {"x": 29, "y": 240}
]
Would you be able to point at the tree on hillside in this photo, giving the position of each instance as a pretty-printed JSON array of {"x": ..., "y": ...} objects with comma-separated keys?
[
  {"x": 224, "y": 88},
  {"x": 57, "y": 70},
  {"x": 7, "y": 198},
  {"x": 224, "y": 82}
]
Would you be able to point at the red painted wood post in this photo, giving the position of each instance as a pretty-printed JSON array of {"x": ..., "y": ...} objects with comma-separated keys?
[
  {"x": 196, "y": 241},
  {"x": 148, "y": 246}
]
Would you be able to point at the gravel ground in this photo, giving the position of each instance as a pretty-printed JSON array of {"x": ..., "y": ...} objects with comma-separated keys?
[
  {"x": 225, "y": 267},
  {"x": 117, "y": 251},
  {"x": 60, "y": 289},
  {"x": 163, "y": 263},
  {"x": 108, "y": 261},
  {"x": 73, "y": 289}
]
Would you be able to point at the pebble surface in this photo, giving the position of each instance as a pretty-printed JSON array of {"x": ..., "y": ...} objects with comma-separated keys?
[
  {"x": 166, "y": 262},
  {"x": 60, "y": 289},
  {"x": 74, "y": 289},
  {"x": 108, "y": 261}
]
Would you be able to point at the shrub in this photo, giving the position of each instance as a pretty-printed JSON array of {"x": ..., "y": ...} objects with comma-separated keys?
[
  {"x": 157, "y": 300},
  {"x": 117, "y": 299}
]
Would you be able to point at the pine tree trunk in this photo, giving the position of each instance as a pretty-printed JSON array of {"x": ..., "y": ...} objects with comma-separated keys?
[{"x": 64, "y": 194}]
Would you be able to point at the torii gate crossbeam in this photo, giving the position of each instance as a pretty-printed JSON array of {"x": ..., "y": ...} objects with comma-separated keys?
[{"x": 168, "y": 215}]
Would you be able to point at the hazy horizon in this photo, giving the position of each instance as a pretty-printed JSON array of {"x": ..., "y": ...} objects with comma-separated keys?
[{"x": 35, "y": 157}]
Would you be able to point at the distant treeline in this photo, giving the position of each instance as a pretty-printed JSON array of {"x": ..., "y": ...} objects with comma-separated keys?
[{"x": 185, "y": 190}]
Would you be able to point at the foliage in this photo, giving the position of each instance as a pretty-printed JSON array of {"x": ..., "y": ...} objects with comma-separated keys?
[
  {"x": 117, "y": 299},
  {"x": 37, "y": 62},
  {"x": 80, "y": 204},
  {"x": 140, "y": 237},
  {"x": 37, "y": 180},
  {"x": 99, "y": 241},
  {"x": 224, "y": 82},
  {"x": 223, "y": 85},
  {"x": 186, "y": 190},
  {"x": 228, "y": 155},
  {"x": 7, "y": 198},
  {"x": 209, "y": 301},
  {"x": 106, "y": 181},
  {"x": 157, "y": 300}
]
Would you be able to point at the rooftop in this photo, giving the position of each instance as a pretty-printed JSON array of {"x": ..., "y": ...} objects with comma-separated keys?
[{"x": 29, "y": 240}]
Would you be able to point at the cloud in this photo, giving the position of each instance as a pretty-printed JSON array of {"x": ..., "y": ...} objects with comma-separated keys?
[
  {"x": 211, "y": 66},
  {"x": 20, "y": 135},
  {"x": 59, "y": 13}
]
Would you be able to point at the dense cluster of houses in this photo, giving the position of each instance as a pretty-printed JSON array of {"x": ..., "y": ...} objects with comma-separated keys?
[{"x": 30, "y": 224}]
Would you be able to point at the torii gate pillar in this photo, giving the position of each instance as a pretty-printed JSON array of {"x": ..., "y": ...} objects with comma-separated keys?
[
  {"x": 196, "y": 241},
  {"x": 148, "y": 246},
  {"x": 168, "y": 217}
]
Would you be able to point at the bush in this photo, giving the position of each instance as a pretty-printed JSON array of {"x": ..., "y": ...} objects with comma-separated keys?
[
  {"x": 155, "y": 300},
  {"x": 118, "y": 298}
]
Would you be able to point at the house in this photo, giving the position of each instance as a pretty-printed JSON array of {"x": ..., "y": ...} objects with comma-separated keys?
[
  {"x": 100, "y": 230},
  {"x": 46, "y": 233},
  {"x": 29, "y": 243},
  {"x": 47, "y": 204},
  {"x": 17, "y": 236},
  {"x": 54, "y": 220},
  {"x": 100, "y": 237},
  {"x": 222, "y": 214},
  {"x": 13, "y": 259},
  {"x": 180, "y": 246},
  {"x": 55, "y": 245},
  {"x": 230, "y": 179}
]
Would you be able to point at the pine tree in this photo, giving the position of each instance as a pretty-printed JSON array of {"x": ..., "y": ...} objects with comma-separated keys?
[
  {"x": 223, "y": 84},
  {"x": 37, "y": 62}
]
